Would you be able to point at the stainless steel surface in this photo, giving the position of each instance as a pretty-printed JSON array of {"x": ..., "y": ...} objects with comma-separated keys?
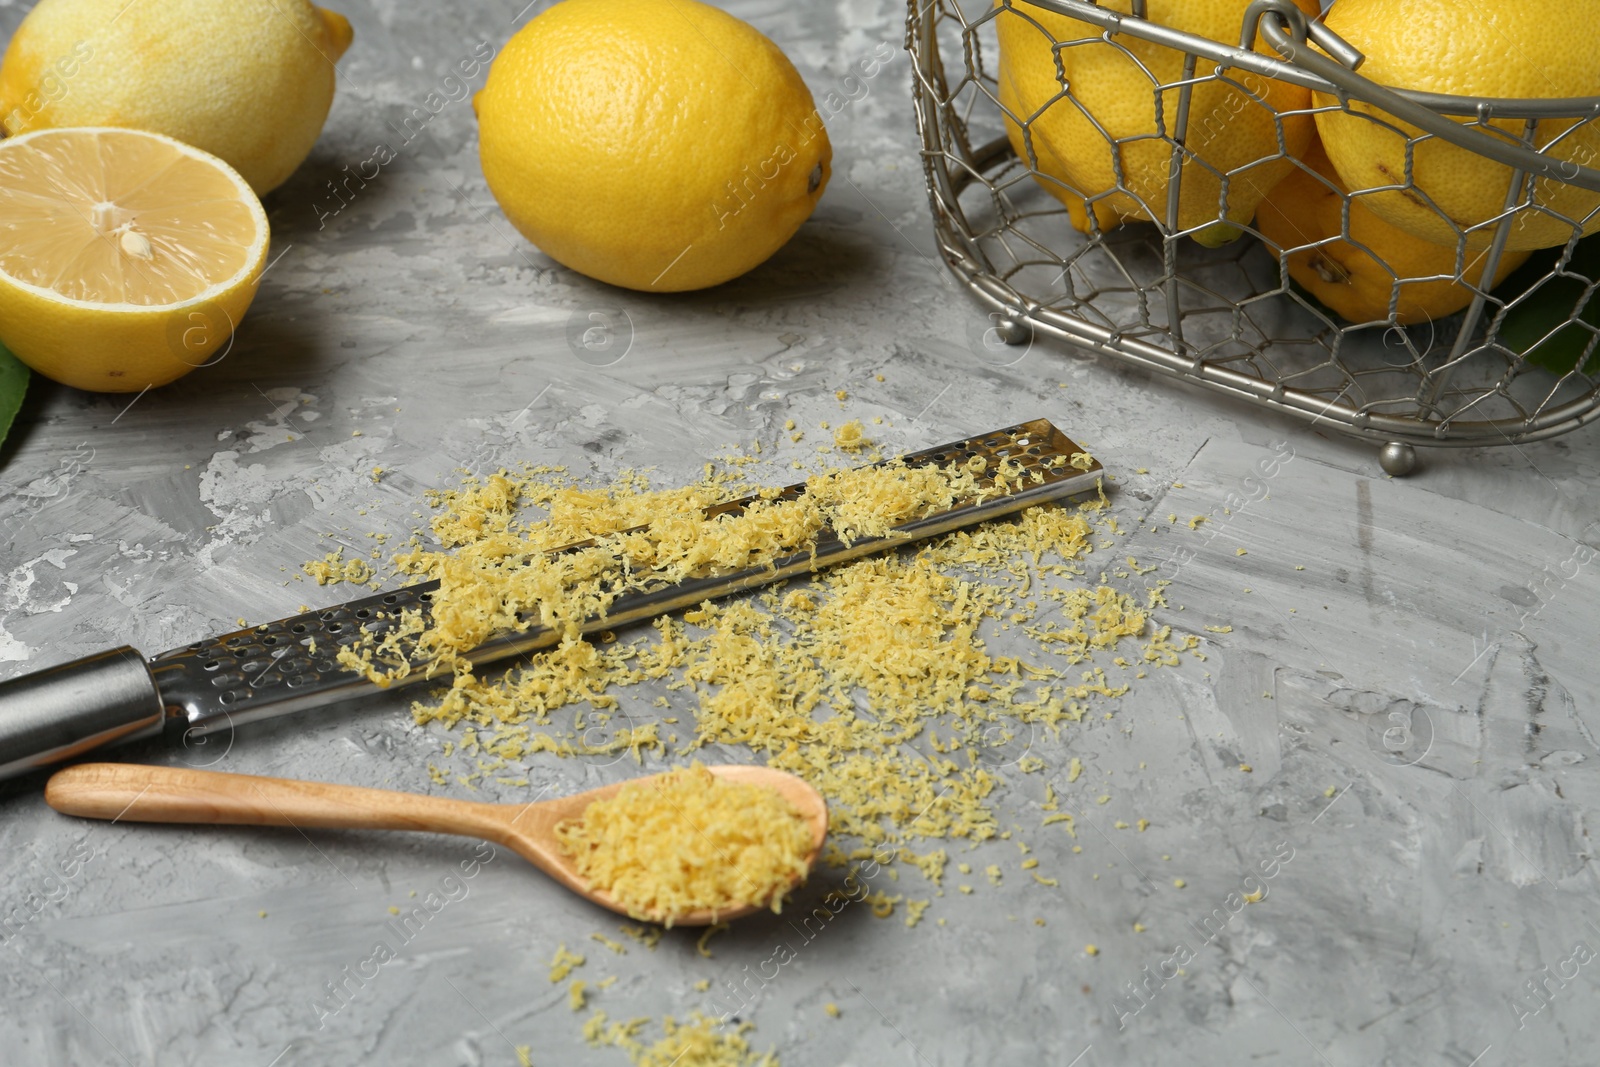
[
  {"x": 1228, "y": 320},
  {"x": 63, "y": 711},
  {"x": 291, "y": 665},
  {"x": 1432, "y": 664}
]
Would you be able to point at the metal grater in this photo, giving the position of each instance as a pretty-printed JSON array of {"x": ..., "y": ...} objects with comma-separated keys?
[{"x": 270, "y": 670}]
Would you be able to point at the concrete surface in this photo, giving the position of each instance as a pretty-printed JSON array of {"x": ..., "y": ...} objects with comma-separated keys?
[{"x": 1417, "y": 705}]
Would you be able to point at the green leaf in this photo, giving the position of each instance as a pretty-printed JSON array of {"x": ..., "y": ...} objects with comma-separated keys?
[
  {"x": 13, "y": 385},
  {"x": 1543, "y": 326}
]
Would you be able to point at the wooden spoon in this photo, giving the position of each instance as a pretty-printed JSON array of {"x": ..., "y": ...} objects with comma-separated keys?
[{"x": 143, "y": 793}]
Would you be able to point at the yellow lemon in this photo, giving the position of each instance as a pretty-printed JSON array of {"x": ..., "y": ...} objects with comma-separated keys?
[
  {"x": 249, "y": 81},
  {"x": 1093, "y": 122},
  {"x": 129, "y": 257},
  {"x": 654, "y": 144},
  {"x": 1047, "y": 170},
  {"x": 1357, "y": 276},
  {"x": 1526, "y": 48}
]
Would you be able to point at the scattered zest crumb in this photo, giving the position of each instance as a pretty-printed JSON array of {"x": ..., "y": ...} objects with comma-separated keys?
[
  {"x": 851, "y": 437},
  {"x": 615, "y": 946},
  {"x": 563, "y": 962},
  {"x": 702, "y": 944}
]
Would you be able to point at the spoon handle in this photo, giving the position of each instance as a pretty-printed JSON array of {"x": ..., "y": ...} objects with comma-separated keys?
[{"x": 139, "y": 793}]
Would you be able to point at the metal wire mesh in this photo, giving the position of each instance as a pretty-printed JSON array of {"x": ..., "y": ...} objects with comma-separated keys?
[{"x": 1046, "y": 254}]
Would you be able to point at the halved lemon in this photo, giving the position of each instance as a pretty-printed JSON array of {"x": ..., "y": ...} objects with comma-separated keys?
[{"x": 128, "y": 257}]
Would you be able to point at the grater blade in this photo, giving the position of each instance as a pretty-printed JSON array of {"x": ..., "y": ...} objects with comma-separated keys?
[{"x": 289, "y": 665}]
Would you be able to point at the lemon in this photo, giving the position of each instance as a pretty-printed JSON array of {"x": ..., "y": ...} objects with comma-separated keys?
[
  {"x": 129, "y": 257},
  {"x": 249, "y": 81},
  {"x": 1502, "y": 48},
  {"x": 1095, "y": 133},
  {"x": 1357, "y": 276},
  {"x": 1047, "y": 170},
  {"x": 653, "y": 144}
]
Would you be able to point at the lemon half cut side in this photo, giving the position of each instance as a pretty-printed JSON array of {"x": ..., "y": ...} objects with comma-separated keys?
[{"x": 128, "y": 257}]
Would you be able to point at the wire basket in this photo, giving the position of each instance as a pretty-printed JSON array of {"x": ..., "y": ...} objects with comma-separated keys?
[{"x": 1048, "y": 255}]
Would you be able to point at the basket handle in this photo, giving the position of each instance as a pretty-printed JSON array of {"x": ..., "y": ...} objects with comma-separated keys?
[{"x": 1286, "y": 28}]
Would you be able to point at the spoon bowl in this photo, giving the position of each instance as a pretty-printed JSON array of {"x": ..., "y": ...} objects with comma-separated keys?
[{"x": 141, "y": 793}]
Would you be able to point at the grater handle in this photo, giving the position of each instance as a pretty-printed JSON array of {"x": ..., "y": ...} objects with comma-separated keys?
[{"x": 63, "y": 711}]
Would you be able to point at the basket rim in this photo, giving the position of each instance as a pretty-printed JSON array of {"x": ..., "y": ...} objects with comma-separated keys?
[{"x": 1234, "y": 55}]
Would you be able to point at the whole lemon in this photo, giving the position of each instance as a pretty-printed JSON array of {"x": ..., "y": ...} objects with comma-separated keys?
[
  {"x": 1525, "y": 48},
  {"x": 661, "y": 145},
  {"x": 1093, "y": 122},
  {"x": 249, "y": 81},
  {"x": 1359, "y": 271}
]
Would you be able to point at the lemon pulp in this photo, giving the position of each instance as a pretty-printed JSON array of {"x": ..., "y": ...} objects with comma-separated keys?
[
  {"x": 115, "y": 218},
  {"x": 128, "y": 256}
]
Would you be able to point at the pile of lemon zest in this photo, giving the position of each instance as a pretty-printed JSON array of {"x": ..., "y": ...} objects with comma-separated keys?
[
  {"x": 689, "y": 840},
  {"x": 897, "y": 635}
]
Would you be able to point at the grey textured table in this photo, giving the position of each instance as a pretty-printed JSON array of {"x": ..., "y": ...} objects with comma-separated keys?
[{"x": 1417, "y": 705}]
